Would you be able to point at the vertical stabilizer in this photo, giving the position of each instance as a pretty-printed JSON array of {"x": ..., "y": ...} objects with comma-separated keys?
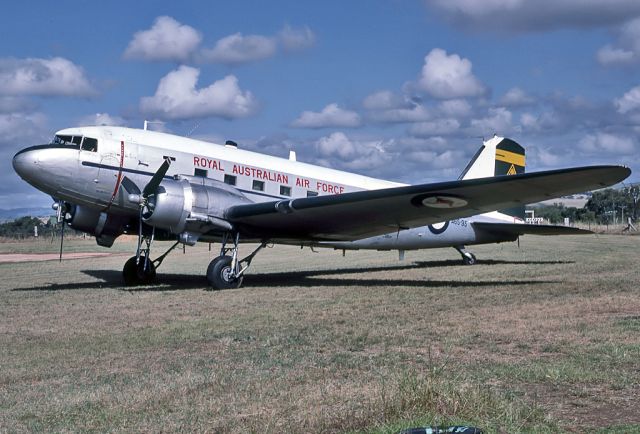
[{"x": 497, "y": 157}]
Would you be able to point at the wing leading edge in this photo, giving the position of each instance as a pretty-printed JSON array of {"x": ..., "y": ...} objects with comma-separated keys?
[{"x": 362, "y": 214}]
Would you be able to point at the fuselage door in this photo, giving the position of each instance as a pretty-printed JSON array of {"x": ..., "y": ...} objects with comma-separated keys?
[{"x": 88, "y": 165}]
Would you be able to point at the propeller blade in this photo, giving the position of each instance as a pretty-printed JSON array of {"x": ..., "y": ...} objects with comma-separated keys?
[
  {"x": 156, "y": 179},
  {"x": 129, "y": 186}
]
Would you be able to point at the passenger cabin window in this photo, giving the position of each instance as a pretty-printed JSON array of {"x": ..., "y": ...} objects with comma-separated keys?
[
  {"x": 230, "y": 179},
  {"x": 89, "y": 144},
  {"x": 312, "y": 193},
  {"x": 285, "y": 191},
  {"x": 200, "y": 172},
  {"x": 258, "y": 185}
]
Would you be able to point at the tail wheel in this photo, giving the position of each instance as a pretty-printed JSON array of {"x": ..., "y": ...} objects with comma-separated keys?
[
  {"x": 136, "y": 274},
  {"x": 220, "y": 275},
  {"x": 468, "y": 258}
]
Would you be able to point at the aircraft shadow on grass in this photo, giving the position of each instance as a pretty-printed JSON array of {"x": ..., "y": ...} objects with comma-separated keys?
[
  {"x": 339, "y": 277},
  {"x": 112, "y": 279}
]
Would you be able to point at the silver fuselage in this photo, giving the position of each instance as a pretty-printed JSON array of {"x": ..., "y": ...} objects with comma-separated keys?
[{"x": 94, "y": 179}]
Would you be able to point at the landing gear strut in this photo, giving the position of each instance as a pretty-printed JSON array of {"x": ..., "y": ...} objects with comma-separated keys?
[
  {"x": 468, "y": 258},
  {"x": 140, "y": 269},
  {"x": 227, "y": 272}
]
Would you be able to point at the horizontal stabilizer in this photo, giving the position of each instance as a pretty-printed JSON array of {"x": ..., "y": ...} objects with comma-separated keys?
[{"x": 524, "y": 229}]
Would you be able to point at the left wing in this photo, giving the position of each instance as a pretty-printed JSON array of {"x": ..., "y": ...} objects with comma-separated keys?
[{"x": 363, "y": 214}]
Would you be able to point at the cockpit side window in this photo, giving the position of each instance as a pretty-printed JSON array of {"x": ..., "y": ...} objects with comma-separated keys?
[
  {"x": 90, "y": 144},
  {"x": 76, "y": 140}
]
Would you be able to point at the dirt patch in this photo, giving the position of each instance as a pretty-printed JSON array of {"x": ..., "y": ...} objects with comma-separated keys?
[{"x": 37, "y": 257}]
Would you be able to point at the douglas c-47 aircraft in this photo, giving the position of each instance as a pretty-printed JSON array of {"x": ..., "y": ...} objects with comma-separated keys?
[{"x": 108, "y": 181}]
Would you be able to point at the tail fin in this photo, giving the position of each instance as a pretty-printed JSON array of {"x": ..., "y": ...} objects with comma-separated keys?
[{"x": 497, "y": 156}]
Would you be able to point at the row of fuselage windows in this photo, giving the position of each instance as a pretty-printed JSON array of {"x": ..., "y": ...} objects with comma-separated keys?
[
  {"x": 256, "y": 185},
  {"x": 79, "y": 142}
]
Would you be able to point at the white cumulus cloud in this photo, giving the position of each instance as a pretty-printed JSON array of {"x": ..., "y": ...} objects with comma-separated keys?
[
  {"x": 529, "y": 122},
  {"x": 22, "y": 129},
  {"x": 609, "y": 143},
  {"x": 16, "y": 104},
  {"x": 540, "y": 15},
  {"x": 178, "y": 98},
  {"x": 449, "y": 76},
  {"x": 170, "y": 40},
  {"x": 101, "y": 119},
  {"x": 609, "y": 55},
  {"x": 44, "y": 77},
  {"x": 167, "y": 39},
  {"x": 330, "y": 116},
  {"x": 296, "y": 39},
  {"x": 455, "y": 107},
  {"x": 382, "y": 100},
  {"x": 498, "y": 121},
  {"x": 387, "y": 107},
  {"x": 238, "y": 48},
  {"x": 627, "y": 49},
  {"x": 339, "y": 151},
  {"x": 628, "y": 102},
  {"x": 438, "y": 127},
  {"x": 516, "y": 97}
]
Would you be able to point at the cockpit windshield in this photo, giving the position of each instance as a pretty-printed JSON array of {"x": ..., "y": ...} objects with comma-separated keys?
[
  {"x": 62, "y": 140},
  {"x": 78, "y": 142}
]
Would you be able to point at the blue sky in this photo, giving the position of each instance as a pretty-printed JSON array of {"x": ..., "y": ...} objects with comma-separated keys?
[{"x": 397, "y": 89}]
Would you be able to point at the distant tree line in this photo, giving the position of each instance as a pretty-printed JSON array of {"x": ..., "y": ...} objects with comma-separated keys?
[
  {"x": 607, "y": 206},
  {"x": 557, "y": 213},
  {"x": 23, "y": 227}
]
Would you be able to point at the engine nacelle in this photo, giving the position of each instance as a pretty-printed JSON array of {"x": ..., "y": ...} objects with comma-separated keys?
[
  {"x": 185, "y": 199},
  {"x": 105, "y": 227}
]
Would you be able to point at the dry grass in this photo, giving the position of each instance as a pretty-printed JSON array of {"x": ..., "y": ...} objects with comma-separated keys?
[{"x": 543, "y": 338}]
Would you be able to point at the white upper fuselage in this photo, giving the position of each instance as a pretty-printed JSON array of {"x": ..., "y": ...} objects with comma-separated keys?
[{"x": 144, "y": 152}]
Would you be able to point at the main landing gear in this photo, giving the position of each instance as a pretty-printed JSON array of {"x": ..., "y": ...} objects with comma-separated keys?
[
  {"x": 140, "y": 269},
  {"x": 227, "y": 272},
  {"x": 224, "y": 272},
  {"x": 468, "y": 258}
]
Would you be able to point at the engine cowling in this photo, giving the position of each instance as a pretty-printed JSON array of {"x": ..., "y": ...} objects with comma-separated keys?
[
  {"x": 105, "y": 227},
  {"x": 184, "y": 201}
]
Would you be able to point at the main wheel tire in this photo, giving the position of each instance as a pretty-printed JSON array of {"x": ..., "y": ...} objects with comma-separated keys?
[
  {"x": 219, "y": 274},
  {"x": 135, "y": 274},
  {"x": 469, "y": 258}
]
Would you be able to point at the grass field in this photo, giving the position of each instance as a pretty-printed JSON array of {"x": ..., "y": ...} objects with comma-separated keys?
[{"x": 541, "y": 338}]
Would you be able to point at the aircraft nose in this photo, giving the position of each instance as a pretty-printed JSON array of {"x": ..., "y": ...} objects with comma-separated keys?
[
  {"x": 25, "y": 163},
  {"x": 49, "y": 168},
  {"x": 36, "y": 166}
]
